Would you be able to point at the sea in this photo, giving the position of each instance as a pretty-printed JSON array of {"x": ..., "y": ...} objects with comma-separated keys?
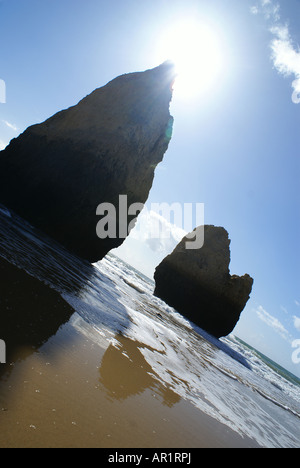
[{"x": 225, "y": 378}]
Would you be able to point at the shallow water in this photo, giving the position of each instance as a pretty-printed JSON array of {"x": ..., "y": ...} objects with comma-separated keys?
[{"x": 96, "y": 360}]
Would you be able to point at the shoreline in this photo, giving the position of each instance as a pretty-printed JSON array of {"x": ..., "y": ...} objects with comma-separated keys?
[
  {"x": 94, "y": 363},
  {"x": 72, "y": 393}
]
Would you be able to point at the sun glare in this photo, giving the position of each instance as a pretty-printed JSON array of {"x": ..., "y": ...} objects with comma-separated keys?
[{"x": 195, "y": 50}]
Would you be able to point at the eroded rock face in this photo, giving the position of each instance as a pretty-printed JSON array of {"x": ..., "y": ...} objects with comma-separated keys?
[
  {"x": 56, "y": 173},
  {"x": 198, "y": 284}
]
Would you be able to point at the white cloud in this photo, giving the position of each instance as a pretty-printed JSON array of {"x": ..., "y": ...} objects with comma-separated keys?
[
  {"x": 271, "y": 10},
  {"x": 151, "y": 240},
  {"x": 284, "y": 53},
  {"x": 268, "y": 8},
  {"x": 159, "y": 234},
  {"x": 296, "y": 322},
  {"x": 2, "y": 145},
  {"x": 272, "y": 322},
  {"x": 10, "y": 125},
  {"x": 297, "y": 303},
  {"x": 254, "y": 10},
  {"x": 286, "y": 58}
]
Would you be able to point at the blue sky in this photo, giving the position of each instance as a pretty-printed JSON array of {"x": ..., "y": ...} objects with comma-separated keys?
[{"x": 235, "y": 147}]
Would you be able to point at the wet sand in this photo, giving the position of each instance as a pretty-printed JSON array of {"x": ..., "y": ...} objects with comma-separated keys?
[
  {"x": 94, "y": 360},
  {"x": 74, "y": 392},
  {"x": 69, "y": 384}
]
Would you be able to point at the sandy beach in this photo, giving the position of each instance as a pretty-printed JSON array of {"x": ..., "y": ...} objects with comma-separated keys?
[
  {"x": 75, "y": 393},
  {"x": 95, "y": 360}
]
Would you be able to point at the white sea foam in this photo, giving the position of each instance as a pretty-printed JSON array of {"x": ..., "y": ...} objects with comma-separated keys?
[{"x": 222, "y": 378}]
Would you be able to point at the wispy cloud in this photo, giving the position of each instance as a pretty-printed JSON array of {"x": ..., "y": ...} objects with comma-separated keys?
[
  {"x": 285, "y": 54},
  {"x": 286, "y": 58},
  {"x": 271, "y": 10},
  {"x": 268, "y": 8},
  {"x": 254, "y": 10},
  {"x": 158, "y": 233},
  {"x": 2, "y": 145},
  {"x": 272, "y": 322},
  {"x": 10, "y": 125},
  {"x": 296, "y": 322},
  {"x": 153, "y": 238}
]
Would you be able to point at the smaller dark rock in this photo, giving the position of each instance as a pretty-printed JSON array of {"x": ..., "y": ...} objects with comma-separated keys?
[{"x": 198, "y": 284}]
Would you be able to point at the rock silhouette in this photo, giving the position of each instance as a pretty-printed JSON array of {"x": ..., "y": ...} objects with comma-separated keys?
[
  {"x": 56, "y": 173},
  {"x": 198, "y": 284}
]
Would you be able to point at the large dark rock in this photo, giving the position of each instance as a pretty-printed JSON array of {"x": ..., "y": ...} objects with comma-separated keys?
[
  {"x": 198, "y": 284},
  {"x": 56, "y": 173}
]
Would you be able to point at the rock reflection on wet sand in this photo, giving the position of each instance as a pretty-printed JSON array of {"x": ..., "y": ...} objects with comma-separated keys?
[{"x": 125, "y": 372}]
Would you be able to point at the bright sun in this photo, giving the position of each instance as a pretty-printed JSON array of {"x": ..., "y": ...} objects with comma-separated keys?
[{"x": 195, "y": 50}]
